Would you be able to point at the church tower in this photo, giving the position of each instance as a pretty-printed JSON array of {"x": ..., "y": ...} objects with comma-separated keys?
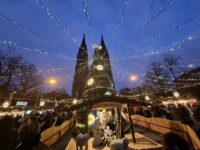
[
  {"x": 81, "y": 71},
  {"x": 100, "y": 80}
]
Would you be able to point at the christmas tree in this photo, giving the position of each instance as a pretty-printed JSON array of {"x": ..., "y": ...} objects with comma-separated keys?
[
  {"x": 100, "y": 79},
  {"x": 81, "y": 71}
]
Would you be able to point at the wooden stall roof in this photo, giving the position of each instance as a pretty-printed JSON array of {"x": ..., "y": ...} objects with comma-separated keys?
[{"x": 92, "y": 102}]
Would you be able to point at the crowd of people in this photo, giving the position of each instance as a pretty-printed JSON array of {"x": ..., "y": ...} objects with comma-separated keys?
[
  {"x": 187, "y": 114},
  {"x": 24, "y": 132}
]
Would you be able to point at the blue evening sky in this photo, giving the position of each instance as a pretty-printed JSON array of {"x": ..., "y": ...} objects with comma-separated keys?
[{"x": 103, "y": 18}]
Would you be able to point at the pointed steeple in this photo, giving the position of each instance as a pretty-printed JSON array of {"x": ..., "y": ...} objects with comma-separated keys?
[
  {"x": 81, "y": 70},
  {"x": 83, "y": 44},
  {"x": 102, "y": 41}
]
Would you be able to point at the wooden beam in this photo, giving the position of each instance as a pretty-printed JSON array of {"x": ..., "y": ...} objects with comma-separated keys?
[{"x": 116, "y": 99}]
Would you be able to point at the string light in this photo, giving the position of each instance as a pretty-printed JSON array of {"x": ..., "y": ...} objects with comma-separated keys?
[
  {"x": 157, "y": 14},
  {"x": 41, "y": 52},
  {"x": 176, "y": 46},
  {"x": 30, "y": 30},
  {"x": 121, "y": 18},
  {"x": 179, "y": 26},
  {"x": 56, "y": 20},
  {"x": 85, "y": 10}
]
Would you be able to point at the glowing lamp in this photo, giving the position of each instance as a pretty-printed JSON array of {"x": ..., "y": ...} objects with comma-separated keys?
[
  {"x": 147, "y": 98},
  {"x": 6, "y": 104},
  {"x": 96, "y": 46},
  {"x": 176, "y": 94},
  {"x": 90, "y": 81},
  {"x": 99, "y": 67},
  {"x": 75, "y": 101},
  {"x": 107, "y": 93},
  {"x": 42, "y": 103},
  {"x": 52, "y": 81},
  {"x": 133, "y": 77},
  {"x": 91, "y": 119}
]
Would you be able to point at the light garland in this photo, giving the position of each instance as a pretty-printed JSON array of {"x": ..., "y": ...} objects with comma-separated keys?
[
  {"x": 177, "y": 27},
  {"x": 121, "y": 18},
  {"x": 159, "y": 50},
  {"x": 85, "y": 10},
  {"x": 30, "y": 30},
  {"x": 162, "y": 9},
  {"x": 41, "y": 52},
  {"x": 56, "y": 20}
]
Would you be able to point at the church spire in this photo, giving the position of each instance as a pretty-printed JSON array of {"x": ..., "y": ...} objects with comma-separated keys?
[
  {"x": 83, "y": 44},
  {"x": 81, "y": 70},
  {"x": 102, "y": 42}
]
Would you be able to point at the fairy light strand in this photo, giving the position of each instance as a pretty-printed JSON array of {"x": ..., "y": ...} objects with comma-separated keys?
[
  {"x": 86, "y": 13},
  {"x": 156, "y": 15},
  {"x": 121, "y": 18},
  {"x": 56, "y": 20},
  {"x": 177, "y": 27},
  {"x": 30, "y": 30},
  {"x": 39, "y": 51}
]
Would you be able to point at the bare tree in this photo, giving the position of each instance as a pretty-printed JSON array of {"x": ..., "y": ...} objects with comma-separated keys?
[
  {"x": 170, "y": 62},
  {"x": 9, "y": 67},
  {"x": 28, "y": 77},
  {"x": 17, "y": 74},
  {"x": 157, "y": 78}
]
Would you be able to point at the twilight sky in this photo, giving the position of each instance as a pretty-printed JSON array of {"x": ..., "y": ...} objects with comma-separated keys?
[{"x": 117, "y": 20}]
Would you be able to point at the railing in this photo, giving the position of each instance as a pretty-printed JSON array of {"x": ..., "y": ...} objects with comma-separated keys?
[
  {"x": 164, "y": 126},
  {"x": 53, "y": 134}
]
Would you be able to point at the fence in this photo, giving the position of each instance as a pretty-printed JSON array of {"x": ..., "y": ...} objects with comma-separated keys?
[
  {"x": 53, "y": 134},
  {"x": 164, "y": 126}
]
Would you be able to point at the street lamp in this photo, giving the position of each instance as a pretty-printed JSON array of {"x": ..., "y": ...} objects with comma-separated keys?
[
  {"x": 133, "y": 78},
  {"x": 52, "y": 81}
]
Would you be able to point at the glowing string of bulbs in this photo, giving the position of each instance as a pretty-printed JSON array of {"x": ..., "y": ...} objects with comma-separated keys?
[
  {"x": 156, "y": 15},
  {"x": 121, "y": 18},
  {"x": 11, "y": 43},
  {"x": 56, "y": 20},
  {"x": 85, "y": 10},
  {"x": 172, "y": 29},
  {"x": 30, "y": 30}
]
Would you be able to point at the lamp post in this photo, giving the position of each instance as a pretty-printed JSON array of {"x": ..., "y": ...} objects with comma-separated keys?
[
  {"x": 51, "y": 82},
  {"x": 11, "y": 96},
  {"x": 132, "y": 78}
]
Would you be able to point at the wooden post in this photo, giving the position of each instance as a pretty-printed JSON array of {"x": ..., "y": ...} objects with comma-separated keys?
[
  {"x": 86, "y": 125},
  {"x": 131, "y": 124},
  {"x": 117, "y": 126}
]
